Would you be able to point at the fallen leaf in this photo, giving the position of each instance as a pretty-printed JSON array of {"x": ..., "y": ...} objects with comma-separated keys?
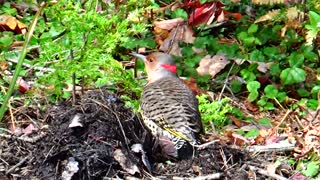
[
  {"x": 212, "y": 64},
  {"x": 29, "y": 129},
  {"x": 10, "y": 23},
  {"x": 250, "y": 106},
  {"x": 182, "y": 33},
  {"x": 193, "y": 86},
  {"x": 125, "y": 162},
  {"x": 168, "y": 24},
  {"x": 76, "y": 121}
]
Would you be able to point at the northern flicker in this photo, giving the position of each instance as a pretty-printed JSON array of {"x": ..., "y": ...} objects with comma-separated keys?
[{"x": 168, "y": 107}]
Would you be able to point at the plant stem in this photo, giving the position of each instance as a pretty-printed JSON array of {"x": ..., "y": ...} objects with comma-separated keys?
[{"x": 20, "y": 62}]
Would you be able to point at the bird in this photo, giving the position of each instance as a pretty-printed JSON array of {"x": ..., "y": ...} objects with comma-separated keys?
[{"x": 169, "y": 108}]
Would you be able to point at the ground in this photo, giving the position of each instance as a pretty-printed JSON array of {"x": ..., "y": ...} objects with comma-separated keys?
[{"x": 95, "y": 138}]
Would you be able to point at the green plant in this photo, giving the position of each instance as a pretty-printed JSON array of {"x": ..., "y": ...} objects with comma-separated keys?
[
  {"x": 313, "y": 28},
  {"x": 88, "y": 44},
  {"x": 215, "y": 111}
]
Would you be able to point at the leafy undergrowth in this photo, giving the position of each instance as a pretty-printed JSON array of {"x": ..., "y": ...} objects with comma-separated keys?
[{"x": 254, "y": 66}]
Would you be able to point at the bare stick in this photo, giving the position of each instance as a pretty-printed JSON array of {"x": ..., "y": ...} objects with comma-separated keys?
[{"x": 266, "y": 173}]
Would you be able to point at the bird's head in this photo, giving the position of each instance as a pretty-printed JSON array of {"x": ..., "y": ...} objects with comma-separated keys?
[{"x": 158, "y": 65}]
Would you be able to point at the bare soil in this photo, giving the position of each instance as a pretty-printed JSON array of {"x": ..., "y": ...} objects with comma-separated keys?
[{"x": 107, "y": 126}]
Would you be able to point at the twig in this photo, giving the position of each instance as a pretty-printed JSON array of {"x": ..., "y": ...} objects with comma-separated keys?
[
  {"x": 26, "y": 139},
  {"x": 44, "y": 69},
  {"x": 225, "y": 82},
  {"x": 223, "y": 156},
  {"x": 266, "y": 173},
  {"x": 271, "y": 147},
  {"x": 18, "y": 164},
  {"x": 284, "y": 117},
  {"x": 203, "y": 146}
]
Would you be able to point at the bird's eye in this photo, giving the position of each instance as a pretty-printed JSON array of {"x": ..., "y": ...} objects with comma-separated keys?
[{"x": 150, "y": 59}]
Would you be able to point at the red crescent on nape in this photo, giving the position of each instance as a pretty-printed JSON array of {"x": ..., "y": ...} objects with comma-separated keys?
[{"x": 172, "y": 68}]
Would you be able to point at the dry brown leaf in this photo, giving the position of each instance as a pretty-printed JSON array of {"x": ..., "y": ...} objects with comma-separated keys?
[
  {"x": 182, "y": 33},
  {"x": 293, "y": 13},
  {"x": 212, "y": 65},
  {"x": 236, "y": 121},
  {"x": 269, "y": 16},
  {"x": 168, "y": 24},
  {"x": 160, "y": 35},
  {"x": 193, "y": 86},
  {"x": 125, "y": 162},
  {"x": 10, "y": 23},
  {"x": 251, "y": 107},
  {"x": 262, "y": 66}
]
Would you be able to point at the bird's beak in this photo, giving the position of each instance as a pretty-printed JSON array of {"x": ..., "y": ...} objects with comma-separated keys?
[{"x": 140, "y": 56}]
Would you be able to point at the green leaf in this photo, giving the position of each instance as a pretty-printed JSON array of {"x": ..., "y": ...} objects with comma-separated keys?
[
  {"x": 253, "y": 86},
  {"x": 257, "y": 55},
  {"x": 281, "y": 96},
  {"x": 315, "y": 89},
  {"x": 295, "y": 59},
  {"x": 242, "y": 35},
  {"x": 269, "y": 106},
  {"x": 265, "y": 121},
  {"x": 270, "y": 51},
  {"x": 275, "y": 69},
  {"x": 312, "y": 104},
  {"x": 252, "y": 133},
  {"x": 179, "y": 13},
  {"x": 314, "y": 19},
  {"x": 312, "y": 169},
  {"x": 247, "y": 75},
  {"x": 6, "y": 41},
  {"x": 235, "y": 86},
  {"x": 253, "y": 95},
  {"x": 249, "y": 41},
  {"x": 303, "y": 92},
  {"x": 271, "y": 91},
  {"x": 253, "y": 28},
  {"x": 238, "y": 113},
  {"x": 262, "y": 102},
  {"x": 292, "y": 75}
]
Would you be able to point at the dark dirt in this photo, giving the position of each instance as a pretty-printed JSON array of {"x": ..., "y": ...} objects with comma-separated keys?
[{"x": 108, "y": 127}]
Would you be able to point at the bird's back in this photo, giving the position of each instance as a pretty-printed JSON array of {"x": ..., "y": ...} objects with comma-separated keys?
[{"x": 169, "y": 106}]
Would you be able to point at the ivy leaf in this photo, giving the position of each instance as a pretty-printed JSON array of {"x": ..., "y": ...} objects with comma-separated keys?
[
  {"x": 253, "y": 87},
  {"x": 252, "y": 133},
  {"x": 247, "y": 75},
  {"x": 281, "y": 96},
  {"x": 253, "y": 96},
  {"x": 256, "y": 55},
  {"x": 275, "y": 69},
  {"x": 271, "y": 91},
  {"x": 312, "y": 104},
  {"x": 295, "y": 59},
  {"x": 253, "y": 28},
  {"x": 6, "y": 41},
  {"x": 265, "y": 121},
  {"x": 293, "y": 75}
]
